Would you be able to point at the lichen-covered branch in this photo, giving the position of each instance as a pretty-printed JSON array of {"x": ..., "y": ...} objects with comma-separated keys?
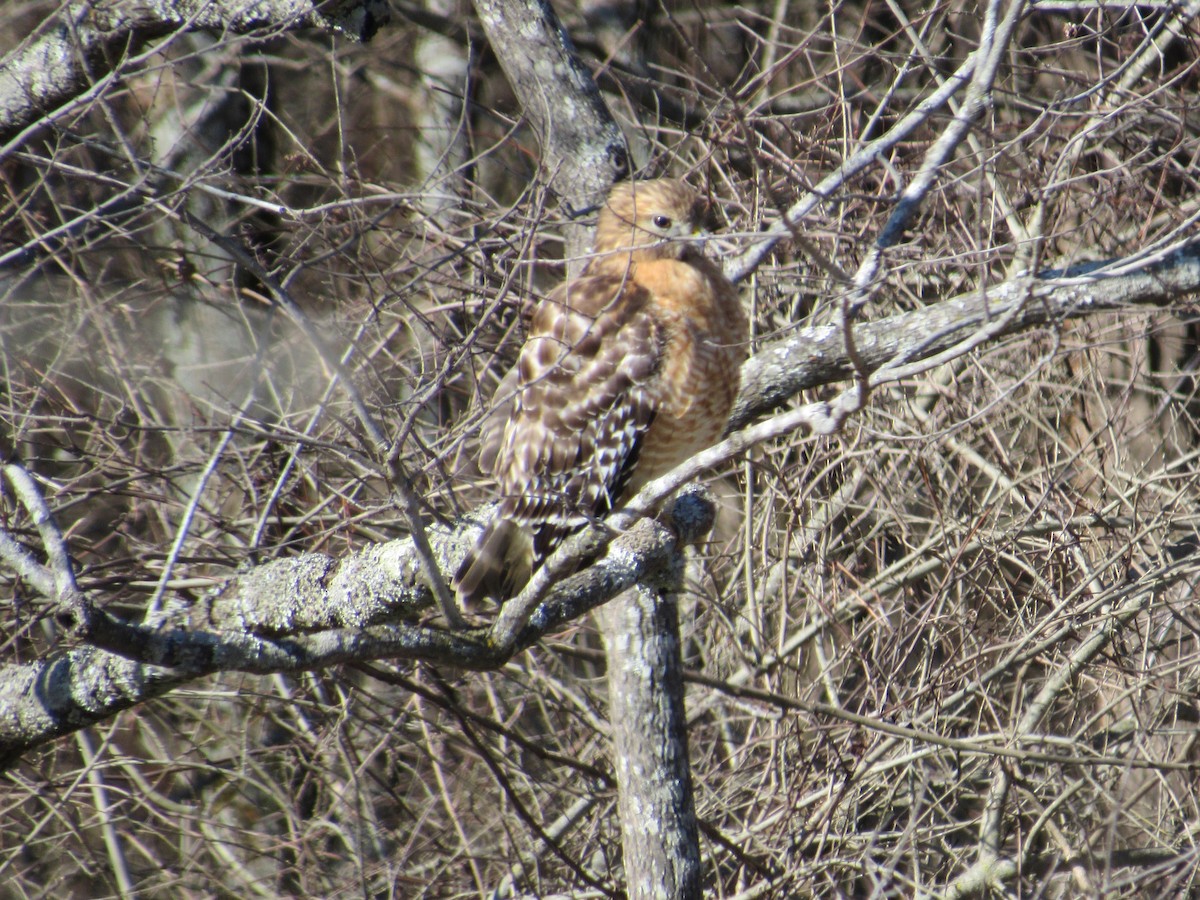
[
  {"x": 53, "y": 71},
  {"x": 308, "y": 612},
  {"x": 811, "y": 357}
]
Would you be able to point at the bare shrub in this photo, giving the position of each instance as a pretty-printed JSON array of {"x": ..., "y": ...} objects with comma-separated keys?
[{"x": 947, "y": 647}]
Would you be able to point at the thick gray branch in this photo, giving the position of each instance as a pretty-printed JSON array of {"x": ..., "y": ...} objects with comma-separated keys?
[
  {"x": 309, "y": 612},
  {"x": 660, "y": 838},
  {"x": 86, "y": 41},
  {"x": 812, "y": 357},
  {"x": 44, "y": 700},
  {"x": 583, "y": 151}
]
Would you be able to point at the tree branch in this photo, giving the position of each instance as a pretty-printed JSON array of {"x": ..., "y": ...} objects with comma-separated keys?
[
  {"x": 815, "y": 356},
  {"x": 583, "y": 151},
  {"x": 309, "y": 612},
  {"x": 86, "y": 43}
]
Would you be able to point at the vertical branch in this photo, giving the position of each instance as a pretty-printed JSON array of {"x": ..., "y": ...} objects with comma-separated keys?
[
  {"x": 659, "y": 835},
  {"x": 583, "y": 152}
]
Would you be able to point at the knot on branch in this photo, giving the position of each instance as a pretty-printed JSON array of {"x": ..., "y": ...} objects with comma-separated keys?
[
  {"x": 75, "y": 613},
  {"x": 692, "y": 514}
]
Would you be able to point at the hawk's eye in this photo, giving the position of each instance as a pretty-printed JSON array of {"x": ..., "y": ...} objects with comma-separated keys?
[{"x": 662, "y": 222}]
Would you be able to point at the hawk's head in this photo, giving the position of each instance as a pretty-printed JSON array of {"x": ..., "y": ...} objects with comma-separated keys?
[{"x": 649, "y": 219}]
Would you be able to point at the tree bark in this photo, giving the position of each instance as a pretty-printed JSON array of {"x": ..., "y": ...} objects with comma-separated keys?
[
  {"x": 583, "y": 150},
  {"x": 86, "y": 42},
  {"x": 659, "y": 834}
]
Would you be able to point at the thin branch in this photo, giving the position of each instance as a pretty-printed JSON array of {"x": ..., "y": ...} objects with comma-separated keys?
[
  {"x": 58, "y": 555},
  {"x": 739, "y": 267}
]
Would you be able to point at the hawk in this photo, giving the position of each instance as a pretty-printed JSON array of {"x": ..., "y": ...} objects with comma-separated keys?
[{"x": 628, "y": 370}]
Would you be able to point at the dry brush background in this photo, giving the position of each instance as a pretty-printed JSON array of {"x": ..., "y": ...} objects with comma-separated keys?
[{"x": 953, "y": 642}]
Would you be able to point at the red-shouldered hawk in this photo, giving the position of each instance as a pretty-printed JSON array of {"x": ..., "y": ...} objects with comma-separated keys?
[{"x": 628, "y": 370}]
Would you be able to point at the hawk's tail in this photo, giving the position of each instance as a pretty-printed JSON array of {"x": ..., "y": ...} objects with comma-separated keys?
[{"x": 497, "y": 566}]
